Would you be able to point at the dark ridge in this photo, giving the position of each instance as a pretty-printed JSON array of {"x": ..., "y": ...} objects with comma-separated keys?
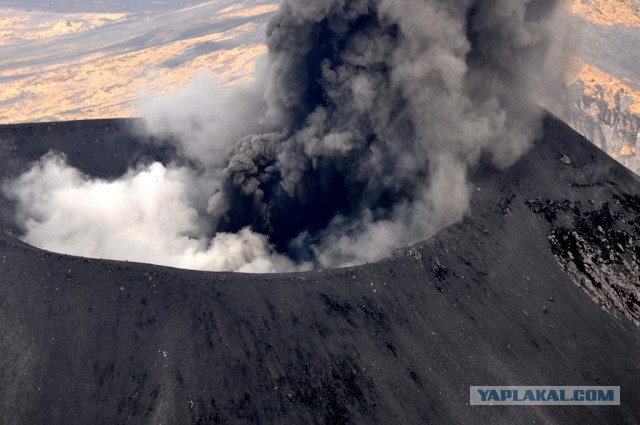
[
  {"x": 492, "y": 300},
  {"x": 104, "y": 148}
]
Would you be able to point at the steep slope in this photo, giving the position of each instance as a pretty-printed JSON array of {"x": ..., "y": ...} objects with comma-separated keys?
[{"x": 492, "y": 300}]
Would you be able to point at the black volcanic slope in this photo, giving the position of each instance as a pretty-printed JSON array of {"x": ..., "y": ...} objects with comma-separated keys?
[{"x": 537, "y": 286}]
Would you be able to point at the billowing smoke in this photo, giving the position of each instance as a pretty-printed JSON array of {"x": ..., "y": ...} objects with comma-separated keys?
[
  {"x": 145, "y": 216},
  {"x": 355, "y": 138}
]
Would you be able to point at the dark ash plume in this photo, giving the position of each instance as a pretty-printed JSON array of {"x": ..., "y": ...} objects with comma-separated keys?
[{"x": 383, "y": 105}]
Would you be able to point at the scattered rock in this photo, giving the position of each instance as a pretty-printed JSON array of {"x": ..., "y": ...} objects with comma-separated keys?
[
  {"x": 415, "y": 254},
  {"x": 439, "y": 270},
  {"x": 565, "y": 160}
]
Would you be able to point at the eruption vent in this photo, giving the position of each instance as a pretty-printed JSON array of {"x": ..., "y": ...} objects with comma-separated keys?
[{"x": 355, "y": 138}]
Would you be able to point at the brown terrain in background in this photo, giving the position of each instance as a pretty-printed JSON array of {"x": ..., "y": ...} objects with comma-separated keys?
[
  {"x": 57, "y": 65},
  {"x": 604, "y": 78},
  {"x": 66, "y": 66}
]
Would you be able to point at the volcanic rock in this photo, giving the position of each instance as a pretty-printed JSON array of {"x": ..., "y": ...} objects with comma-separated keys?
[{"x": 396, "y": 341}]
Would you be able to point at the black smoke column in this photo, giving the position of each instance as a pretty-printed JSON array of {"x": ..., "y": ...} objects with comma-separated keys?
[{"x": 380, "y": 107}]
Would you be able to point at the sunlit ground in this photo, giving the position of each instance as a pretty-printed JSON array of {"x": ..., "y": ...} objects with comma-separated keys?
[{"x": 80, "y": 66}]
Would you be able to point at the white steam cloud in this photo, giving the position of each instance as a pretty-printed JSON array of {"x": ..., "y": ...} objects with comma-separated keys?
[
  {"x": 144, "y": 216},
  {"x": 356, "y": 138}
]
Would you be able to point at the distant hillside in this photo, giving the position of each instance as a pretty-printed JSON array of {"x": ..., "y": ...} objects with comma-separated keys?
[
  {"x": 608, "y": 12},
  {"x": 604, "y": 80},
  {"x": 60, "y": 66},
  {"x": 99, "y": 6}
]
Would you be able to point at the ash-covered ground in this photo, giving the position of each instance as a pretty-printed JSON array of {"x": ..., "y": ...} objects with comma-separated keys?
[{"x": 535, "y": 286}]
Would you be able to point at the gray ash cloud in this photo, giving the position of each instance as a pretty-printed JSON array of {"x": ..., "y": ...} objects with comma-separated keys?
[
  {"x": 359, "y": 132},
  {"x": 383, "y": 106}
]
